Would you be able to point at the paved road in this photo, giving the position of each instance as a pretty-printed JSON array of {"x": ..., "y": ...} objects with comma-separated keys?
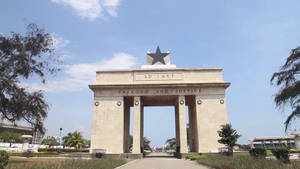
[{"x": 162, "y": 161}]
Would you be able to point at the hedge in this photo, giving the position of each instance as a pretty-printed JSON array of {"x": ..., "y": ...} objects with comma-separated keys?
[
  {"x": 281, "y": 154},
  {"x": 258, "y": 152},
  {"x": 64, "y": 150},
  {"x": 193, "y": 156},
  {"x": 3, "y": 159}
]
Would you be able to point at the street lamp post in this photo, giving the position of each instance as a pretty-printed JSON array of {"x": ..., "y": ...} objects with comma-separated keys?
[{"x": 60, "y": 139}]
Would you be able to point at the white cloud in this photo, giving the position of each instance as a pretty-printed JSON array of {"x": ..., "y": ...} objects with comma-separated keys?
[
  {"x": 92, "y": 9},
  {"x": 59, "y": 45},
  {"x": 79, "y": 76},
  {"x": 59, "y": 42},
  {"x": 111, "y": 7}
]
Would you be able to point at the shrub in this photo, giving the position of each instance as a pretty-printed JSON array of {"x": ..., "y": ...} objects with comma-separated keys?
[
  {"x": 228, "y": 137},
  {"x": 59, "y": 150},
  {"x": 294, "y": 151},
  {"x": 3, "y": 159},
  {"x": 269, "y": 152},
  {"x": 75, "y": 150},
  {"x": 244, "y": 162},
  {"x": 27, "y": 154},
  {"x": 193, "y": 156},
  {"x": 281, "y": 154},
  {"x": 14, "y": 154},
  {"x": 258, "y": 152},
  {"x": 47, "y": 149}
]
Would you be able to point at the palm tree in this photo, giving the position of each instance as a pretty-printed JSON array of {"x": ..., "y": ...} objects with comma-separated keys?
[
  {"x": 228, "y": 137},
  {"x": 171, "y": 142},
  {"x": 50, "y": 142},
  {"x": 146, "y": 144},
  {"x": 288, "y": 81},
  {"x": 65, "y": 139},
  {"x": 74, "y": 140}
]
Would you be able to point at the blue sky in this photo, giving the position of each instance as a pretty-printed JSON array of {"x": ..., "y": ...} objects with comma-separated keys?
[{"x": 248, "y": 39}]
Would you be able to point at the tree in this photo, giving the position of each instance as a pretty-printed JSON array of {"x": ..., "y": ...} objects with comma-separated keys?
[
  {"x": 22, "y": 57},
  {"x": 146, "y": 144},
  {"x": 50, "y": 141},
  {"x": 171, "y": 143},
  {"x": 10, "y": 137},
  {"x": 66, "y": 138},
  {"x": 228, "y": 136},
  {"x": 288, "y": 81},
  {"x": 87, "y": 143},
  {"x": 75, "y": 140}
]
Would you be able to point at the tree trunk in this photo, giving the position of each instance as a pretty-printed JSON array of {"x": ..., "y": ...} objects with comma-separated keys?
[{"x": 230, "y": 151}]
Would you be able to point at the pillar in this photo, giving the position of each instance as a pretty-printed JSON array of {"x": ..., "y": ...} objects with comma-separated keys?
[
  {"x": 251, "y": 144},
  {"x": 182, "y": 124},
  {"x": 280, "y": 143},
  {"x": 193, "y": 125},
  {"x": 272, "y": 144},
  {"x": 142, "y": 128},
  {"x": 211, "y": 113},
  {"x": 127, "y": 140},
  {"x": 137, "y": 109},
  {"x": 177, "y": 128},
  {"x": 108, "y": 125},
  {"x": 297, "y": 142}
]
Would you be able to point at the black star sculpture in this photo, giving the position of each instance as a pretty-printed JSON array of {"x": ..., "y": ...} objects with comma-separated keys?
[{"x": 158, "y": 56}]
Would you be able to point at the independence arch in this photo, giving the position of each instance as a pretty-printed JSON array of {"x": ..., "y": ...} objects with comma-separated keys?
[{"x": 158, "y": 84}]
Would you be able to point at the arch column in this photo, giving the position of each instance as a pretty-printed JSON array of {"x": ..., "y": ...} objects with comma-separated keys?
[
  {"x": 210, "y": 115},
  {"x": 137, "y": 125},
  {"x": 181, "y": 115},
  {"x": 127, "y": 140},
  {"x": 193, "y": 140}
]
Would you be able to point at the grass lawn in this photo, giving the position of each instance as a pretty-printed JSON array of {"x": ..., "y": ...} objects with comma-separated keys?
[
  {"x": 244, "y": 162},
  {"x": 55, "y": 163}
]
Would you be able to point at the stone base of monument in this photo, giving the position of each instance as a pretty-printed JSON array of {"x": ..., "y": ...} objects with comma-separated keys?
[
  {"x": 170, "y": 66},
  {"x": 124, "y": 155}
]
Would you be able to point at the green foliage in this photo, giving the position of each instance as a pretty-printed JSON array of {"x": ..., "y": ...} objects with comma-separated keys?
[
  {"x": 171, "y": 143},
  {"x": 10, "y": 137},
  {"x": 33, "y": 154},
  {"x": 66, "y": 138},
  {"x": 294, "y": 151},
  {"x": 269, "y": 153},
  {"x": 22, "y": 57},
  {"x": 244, "y": 147},
  {"x": 51, "y": 141},
  {"x": 66, "y": 164},
  {"x": 3, "y": 159},
  {"x": 64, "y": 150},
  {"x": 244, "y": 162},
  {"x": 193, "y": 156},
  {"x": 27, "y": 154},
  {"x": 288, "y": 81},
  {"x": 47, "y": 150},
  {"x": 146, "y": 144},
  {"x": 228, "y": 136},
  {"x": 87, "y": 143},
  {"x": 74, "y": 139},
  {"x": 258, "y": 152},
  {"x": 281, "y": 154}
]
